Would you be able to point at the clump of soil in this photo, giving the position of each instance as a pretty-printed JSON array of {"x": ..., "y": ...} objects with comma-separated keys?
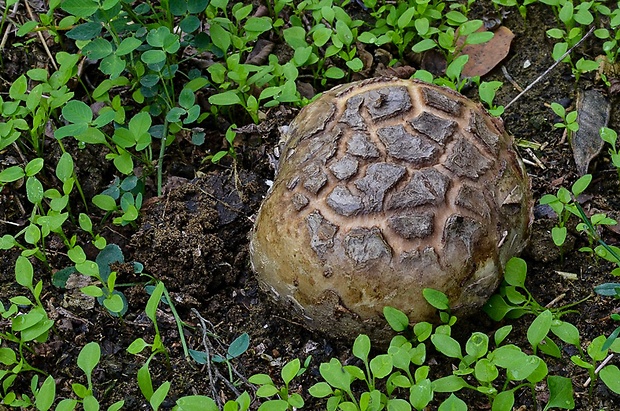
[{"x": 195, "y": 238}]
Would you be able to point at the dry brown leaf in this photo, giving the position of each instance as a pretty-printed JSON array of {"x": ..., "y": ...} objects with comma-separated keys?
[
  {"x": 484, "y": 57},
  {"x": 593, "y": 111}
]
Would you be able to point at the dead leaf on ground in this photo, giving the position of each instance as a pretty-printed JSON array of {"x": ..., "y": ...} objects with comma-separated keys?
[
  {"x": 260, "y": 52},
  {"x": 434, "y": 62},
  {"x": 484, "y": 57},
  {"x": 593, "y": 111}
]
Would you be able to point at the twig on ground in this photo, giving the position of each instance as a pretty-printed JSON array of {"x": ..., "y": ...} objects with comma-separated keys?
[
  {"x": 555, "y": 300},
  {"x": 543, "y": 75},
  {"x": 599, "y": 368},
  {"x": 535, "y": 158},
  {"x": 8, "y": 27},
  {"x": 512, "y": 80},
  {"x": 9, "y": 223},
  {"x": 47, "y": 50},
  {"x": 208, "y": 346}
]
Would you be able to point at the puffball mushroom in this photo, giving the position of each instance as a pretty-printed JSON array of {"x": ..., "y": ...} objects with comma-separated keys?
[{"x": 386, "y": 187}]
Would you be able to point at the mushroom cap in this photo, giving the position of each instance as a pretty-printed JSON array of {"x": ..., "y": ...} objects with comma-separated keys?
[{"x": 386, "y": 187}]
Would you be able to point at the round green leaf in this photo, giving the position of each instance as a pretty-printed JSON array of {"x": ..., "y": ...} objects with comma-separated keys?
[
  {"x": 361, "y": 347},
  {"x": 114, "y": 303},
  {"x": 64, "y": 168},
  {"x": 396, "y": 318},
  {"x": 112, "y": 66},
  {"x": 610, "y": 375},
  {"x": 34, "y": 190},
  {"x": 436, "y": 298},
  {"x": 178, "y": 7},
  {"x": 85, "y": 31},
  {"x": 290, "y": 370},
  {"x": 190, "y": 24},
  {"x": 76, "y": 111},
  {"x": 88, "y": 358},
  {"x": 226, "y": 98},
  {"x": 539, "y": 328},
  {"x": 320, "y": 390},
  {"x": 104, "y": 202},
  {"x": 485, "y": 370},
  {"x": 196, "y": 402},
  {"x": 453, "y": 403},
  {"x": 11, "y": 174},
  {"x": 423, "y": 45},
  {"x": 98, "y": 49},
  {"x": 128, "y": 45},
  {"x": 80, "y": 8},
  {"x": 257, "y": 24},
  {"x": 446, "y": 345},
  {"x": 335, "y": 375},
  {"x": 334, "y": 73},
  {"x": 92, "y": 291},
  {"x": 515, "y": 272},
  {"x": 153, "y": 56}
]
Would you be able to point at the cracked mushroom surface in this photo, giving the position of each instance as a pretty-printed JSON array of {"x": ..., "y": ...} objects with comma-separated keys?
[{"x": 386, "y": 187}]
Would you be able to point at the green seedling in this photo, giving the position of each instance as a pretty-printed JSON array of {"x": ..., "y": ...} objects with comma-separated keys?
[
  {"x": 28, "y": 109},
  {"x": 334, "y": 32},
  {"x": 44, "y": 396},
  {"x": 610, "y": 290},
  {"x": 453, "y": 78},
  {"x": 155, "y": 397},
  {"x": 86, "y": 224},
  {"x": 569, "y": 120},
  {"x": 512, "y": 303},
  {"x": 275, "y": 8},
  {"x": 598, "y": 351},
  {"x": 104, "y": 288},
  {"x": 204, "y": 403},
  {"x": 149, "y": 54},
  {"x": 417, "y": 26},
  {"x": 87, "y": 361},
  {"x": 29, "y": 324},
  {"x": 286, "y": 400},
  {"x": 343, "y": 40},
  {"x": 514, "y": 299},
  {"x": 51, "y": 207},
  {"x": 487, "y": 92},
  {"x": 611, "y": 35},
  {"x": 235, "y": 29},
  {"x": 32, "y": 234},
  {"x": 514, "y": 3},
  {"x": 458, "y": 33},
  {"x": 584, "y": 65},
  {"x": 611, "y": 137},
  {"x": 564, "y": 205},
  {"x": 129, "y": 193},
  {"x": 406, "y": 375},
  {"x": 235, "y": 349},
  {"x": 575, "y": 18},
  {"x": 486, "y": 365},
  {"x": 165, "y": 299},
  {"x": 590, "y": 226},
  {"x": 230, "y": 139}
]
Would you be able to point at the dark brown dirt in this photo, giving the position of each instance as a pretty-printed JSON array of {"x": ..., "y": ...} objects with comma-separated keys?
[{"x": 195, "y": 239}]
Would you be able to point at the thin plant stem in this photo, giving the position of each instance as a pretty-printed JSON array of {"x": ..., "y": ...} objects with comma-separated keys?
[{"x": 160, "y": 161}]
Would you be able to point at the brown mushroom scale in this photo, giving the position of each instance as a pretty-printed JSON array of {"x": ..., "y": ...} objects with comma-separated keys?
[{"x": 386, "y": 187}]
